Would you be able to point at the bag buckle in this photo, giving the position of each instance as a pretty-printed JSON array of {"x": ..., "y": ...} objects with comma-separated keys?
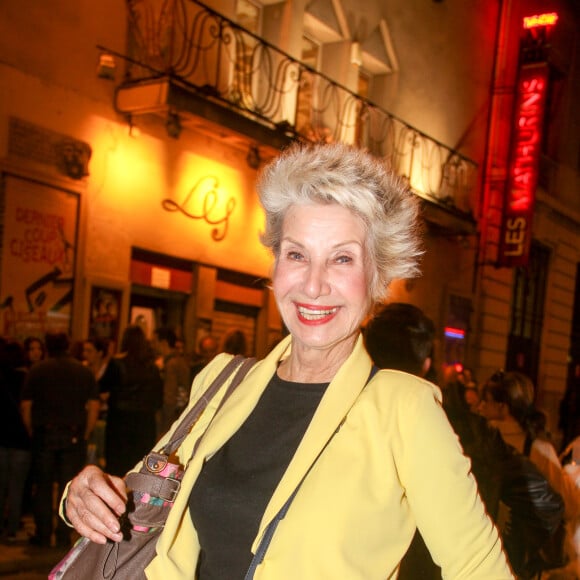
[
  {"x": 169, "y": 489},
  {"x": 155, "y": 462}
]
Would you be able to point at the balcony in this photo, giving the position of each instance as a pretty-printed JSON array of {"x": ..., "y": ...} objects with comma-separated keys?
[{"x": 199, "y": 69}]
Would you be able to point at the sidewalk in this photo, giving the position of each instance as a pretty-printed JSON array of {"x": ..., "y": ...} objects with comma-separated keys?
[{"x": 18, "y": 556}]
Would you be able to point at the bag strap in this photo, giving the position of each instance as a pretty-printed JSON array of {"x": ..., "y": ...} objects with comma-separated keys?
[
  {"x": 271, "y": 527},
  {"x": 147, "y": 479},
  {"x": 243, "y": 365}
]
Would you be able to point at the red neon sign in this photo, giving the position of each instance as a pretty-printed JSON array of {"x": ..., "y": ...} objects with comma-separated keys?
[
  {"x": 516, "y": 230},
  {"x": 540, "y": 20},
  {"x": 454, "y": 332}
]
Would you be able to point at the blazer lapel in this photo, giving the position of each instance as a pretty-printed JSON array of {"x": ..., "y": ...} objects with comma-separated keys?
[{"x": 334, "y": 406}]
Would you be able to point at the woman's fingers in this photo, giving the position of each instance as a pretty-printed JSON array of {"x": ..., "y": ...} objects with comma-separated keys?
[{"x": 94, "y": 503}]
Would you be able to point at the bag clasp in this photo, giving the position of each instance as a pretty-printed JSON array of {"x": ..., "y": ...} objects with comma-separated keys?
[{"x": 155, "y": 462}]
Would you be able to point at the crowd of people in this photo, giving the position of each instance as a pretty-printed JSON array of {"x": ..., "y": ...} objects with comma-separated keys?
[
  {"x": 381, "y": 466},
  {"x": 66, "y": 404},
  {"x": 16, "y": 360}
]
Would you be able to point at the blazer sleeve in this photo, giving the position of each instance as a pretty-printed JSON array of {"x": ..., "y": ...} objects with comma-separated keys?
[{"x": 443, "y": 494}]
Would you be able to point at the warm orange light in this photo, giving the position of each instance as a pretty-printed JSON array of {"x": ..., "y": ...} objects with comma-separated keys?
[{"x": 540, "y": 20}]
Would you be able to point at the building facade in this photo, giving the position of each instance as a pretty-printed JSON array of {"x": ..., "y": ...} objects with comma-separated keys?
[
  {"x": 528, "y": 293},
  {"x": 131, "y": 135}
]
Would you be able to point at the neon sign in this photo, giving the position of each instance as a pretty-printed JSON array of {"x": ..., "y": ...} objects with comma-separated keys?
[
  {"x": 454, "y": 332},
  {"x": 516, "y": 230},
  {"x": 540, "y": 20}
]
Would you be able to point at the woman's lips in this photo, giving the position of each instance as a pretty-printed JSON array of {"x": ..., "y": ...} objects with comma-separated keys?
[{"x": 315, "y": 314}]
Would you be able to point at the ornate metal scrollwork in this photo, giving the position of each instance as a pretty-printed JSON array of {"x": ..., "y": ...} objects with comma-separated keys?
[{"x": 217, "y": 58}]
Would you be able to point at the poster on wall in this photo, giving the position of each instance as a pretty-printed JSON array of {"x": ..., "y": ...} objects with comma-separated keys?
[
  {"x": 105, "y": 313},
  {"x": 38, "y": 254},
  {"x": 145, "y": 318}
]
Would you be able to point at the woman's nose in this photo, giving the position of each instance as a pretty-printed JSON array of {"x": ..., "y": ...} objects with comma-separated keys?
[{"x": 316, "y": 281}]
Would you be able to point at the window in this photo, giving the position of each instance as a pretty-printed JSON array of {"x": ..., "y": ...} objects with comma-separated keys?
[
  {"x": 310, "y": 56},
  {"x": 527, "y": 315},
  {"x": 248, "y": 15}
]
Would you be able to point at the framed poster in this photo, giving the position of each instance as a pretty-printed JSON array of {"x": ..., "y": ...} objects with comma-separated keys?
[
  {"x": 105, "y": 313},
  {"x": 38, "y": 251}
]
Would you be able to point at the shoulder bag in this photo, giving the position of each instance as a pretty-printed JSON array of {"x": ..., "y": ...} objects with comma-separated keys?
[{"x": 152, "y": 492}]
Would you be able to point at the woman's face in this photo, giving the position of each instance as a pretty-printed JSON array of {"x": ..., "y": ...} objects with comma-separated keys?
[
  {"x": 34, "y": 351},
  {"x": 320, "y": 278},
  {"x": 491, "y": 409},
  {"x": 91, "y": 354}
]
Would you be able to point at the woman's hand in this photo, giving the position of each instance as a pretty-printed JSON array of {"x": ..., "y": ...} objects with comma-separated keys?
[{"x": 94, "y": 503}]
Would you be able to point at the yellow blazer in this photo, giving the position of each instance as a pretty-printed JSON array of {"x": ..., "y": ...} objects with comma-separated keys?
[{"x": 393, "y": 464}]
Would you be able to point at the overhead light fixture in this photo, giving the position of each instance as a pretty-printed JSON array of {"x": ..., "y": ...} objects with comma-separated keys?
[
  {"x": 253, "y": 158},
  {"x": 106, "y": 66},
  {"x": 173, "y": 125}
]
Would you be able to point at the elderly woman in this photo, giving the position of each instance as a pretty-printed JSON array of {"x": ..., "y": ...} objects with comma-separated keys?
[{"x": 373, "y": 457}]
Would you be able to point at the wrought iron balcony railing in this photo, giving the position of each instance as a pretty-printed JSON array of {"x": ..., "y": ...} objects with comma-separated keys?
[{"x": 190, "y": 44}]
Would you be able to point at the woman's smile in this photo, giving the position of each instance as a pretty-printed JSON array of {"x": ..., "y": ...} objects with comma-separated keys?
[{"x": 315, "y": 314}]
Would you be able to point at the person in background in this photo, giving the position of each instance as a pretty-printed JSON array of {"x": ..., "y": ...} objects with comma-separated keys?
[
  {"x": 569, "y": 415},
  {"x": 369, "y": 455},
  {"x": 207, "y": 348},
  {"x": 60, "y": 407},
  {"x": 235, "y": 342},
  {"x": 508, "y": 404},
  {"x": 400, "y": 336},
  {"x": 175, "y": 373},
  {"x": 34, "y": 350},
  {"x": 76, "y": 349},
  {"x": 180, "y": 346},
  {"x": 107, "y": 372},
  {"x": 133, "y": 404},
  {"x": 14, "y": 440},
  {"x": 472, "y": 396}
]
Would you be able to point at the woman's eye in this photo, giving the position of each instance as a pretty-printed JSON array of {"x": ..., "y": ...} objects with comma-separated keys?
[
  {"x": 293, "y": 255},
  {"x": 343, "y": 259}
]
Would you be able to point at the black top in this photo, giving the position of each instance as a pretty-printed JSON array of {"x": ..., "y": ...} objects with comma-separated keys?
[
  {"x": 229, "y": 498},
  {"x": 111, "y": 377},
  {"x": 107, "y": 382},
  {"x": 140, "y": 388}
]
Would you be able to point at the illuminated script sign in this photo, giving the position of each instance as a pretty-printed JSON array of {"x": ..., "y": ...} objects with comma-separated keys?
[
  {"x": 211, "y": 208},
  {"x": 516, "y": 229}
]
